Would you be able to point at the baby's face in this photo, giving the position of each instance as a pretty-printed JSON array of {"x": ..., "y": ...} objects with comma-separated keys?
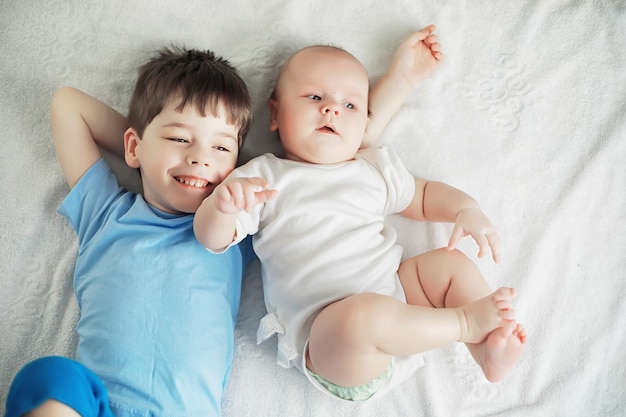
[
  {"x": 320, "y": 109},
  {"x": 182, "y": 156}
]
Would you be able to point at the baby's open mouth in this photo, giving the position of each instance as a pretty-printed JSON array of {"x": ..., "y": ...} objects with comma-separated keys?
[{"x": 327, "y": 129}]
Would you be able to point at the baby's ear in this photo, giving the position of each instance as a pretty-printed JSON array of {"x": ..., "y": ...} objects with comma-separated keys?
[
  {"x": 131, "y": 142},
  {"x": 273, "y": 105}
]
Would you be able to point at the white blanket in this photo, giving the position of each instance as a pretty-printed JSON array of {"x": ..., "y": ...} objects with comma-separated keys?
[{"x": 527, "y": 114}]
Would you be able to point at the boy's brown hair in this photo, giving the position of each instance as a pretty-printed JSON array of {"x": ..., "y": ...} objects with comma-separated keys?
[{"x": 199, "y": 78}]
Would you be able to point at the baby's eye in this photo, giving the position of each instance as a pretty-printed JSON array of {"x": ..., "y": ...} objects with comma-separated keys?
[
  {"x": 222, "y": 149},
  {"x": 314, "y": 97},
  {"x": 349, "y": 106}
]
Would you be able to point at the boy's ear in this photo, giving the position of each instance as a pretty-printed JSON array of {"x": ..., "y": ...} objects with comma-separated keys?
[
  {"x": 273, "y": 105},
  {"x": 131, "y": 141}
]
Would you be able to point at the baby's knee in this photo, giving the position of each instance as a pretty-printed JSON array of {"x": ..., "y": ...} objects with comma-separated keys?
[
  {"x": 452, "y": 254},
  {"x": 454, "y": 258}
]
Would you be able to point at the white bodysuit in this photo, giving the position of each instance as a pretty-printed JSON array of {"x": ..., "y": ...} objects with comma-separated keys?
[{"x": 323, "y": 238}]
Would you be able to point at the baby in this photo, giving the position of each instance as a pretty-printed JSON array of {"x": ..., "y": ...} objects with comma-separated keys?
[{"x": 348, "y": 312}]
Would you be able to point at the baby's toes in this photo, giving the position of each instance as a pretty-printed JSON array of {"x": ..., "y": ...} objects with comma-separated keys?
[
  {"x": 504, "y": 305},
  {"x": 504, "y": 293},
  {"x": 508, "y": 314}
]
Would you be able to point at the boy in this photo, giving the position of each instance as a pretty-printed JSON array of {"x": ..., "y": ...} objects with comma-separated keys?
[
  {"x": 346, "y": 310},
  {"x": 157, "y": 310}
]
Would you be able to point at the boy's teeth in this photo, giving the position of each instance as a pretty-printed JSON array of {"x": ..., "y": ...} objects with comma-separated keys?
[{"x": 193, "y": 183}]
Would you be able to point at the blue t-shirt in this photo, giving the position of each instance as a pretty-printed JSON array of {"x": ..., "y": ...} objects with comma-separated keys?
[{"x": 157, "y": 310}]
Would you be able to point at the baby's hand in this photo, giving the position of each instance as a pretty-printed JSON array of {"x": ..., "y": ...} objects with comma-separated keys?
[
  {"x": 474, "y": 222},
  {"x": 237, "y": 194},
  {"x": 418, "y": 56}
]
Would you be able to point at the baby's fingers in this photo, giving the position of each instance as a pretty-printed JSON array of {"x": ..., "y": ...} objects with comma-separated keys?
[
  {"x": 228, "y": 200},
  {"x": 494, "y": 242},
  {"x": 483, "y": 245},
  {"x": 249, "y": 199},
  {"x": 256, "y": 192},
  {"x": 224, "y": 196},
  {"x": 258, "y": 196},
  {"x": 264, "y": 196},
  {"x": 420, "y": 35},
  {"x": 238, "y": 195},
  {"x": 457, "y": 234},
  {"x": 490, "y": 240},
  {"x": 435, "y": 47},
  {"x": 432, "y": 41}
]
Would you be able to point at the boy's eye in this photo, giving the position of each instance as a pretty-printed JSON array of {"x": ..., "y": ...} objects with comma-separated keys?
[
  {"x": 314, "y": 97},
  {"x": 179, "y": 140},
  {"x": 222, "y": 149},
  {"x": 349, "y": 106}
]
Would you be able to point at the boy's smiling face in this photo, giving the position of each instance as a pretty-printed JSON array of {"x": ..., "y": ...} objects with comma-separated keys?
[{"x": 182, "y": 156}]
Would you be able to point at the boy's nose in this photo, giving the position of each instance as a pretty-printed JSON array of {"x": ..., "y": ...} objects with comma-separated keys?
[
  {"x": 198, "y": 160},
  {"x": 199, "y": 154}
]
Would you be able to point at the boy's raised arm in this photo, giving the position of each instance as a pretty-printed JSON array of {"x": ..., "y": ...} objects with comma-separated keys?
[
  {"x": 80, "y": 123},
  {"x": 415, "y": 59}
]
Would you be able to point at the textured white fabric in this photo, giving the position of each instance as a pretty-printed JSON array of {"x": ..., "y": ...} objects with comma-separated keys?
[
  {"x": 323, "y": 238},
  {"x": 526, "y": 114}
]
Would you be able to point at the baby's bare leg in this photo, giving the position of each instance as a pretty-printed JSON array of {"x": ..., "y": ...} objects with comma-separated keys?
[
  {"x": 353, "y": 340},
  {"x": 443, "y": 278}
]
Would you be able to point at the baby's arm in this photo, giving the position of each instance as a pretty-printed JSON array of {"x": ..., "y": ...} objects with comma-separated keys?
[
  {"x": 438, "y": 202},
  {"x": 214, "y": 223},
  {"x": 80, "y": 123},
  {"x": 418, "y": 56}
]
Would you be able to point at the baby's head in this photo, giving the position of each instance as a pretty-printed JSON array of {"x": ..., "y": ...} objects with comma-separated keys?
[
  {"x": 188, "y": 117},
  {"x": 320, "y": 105}
]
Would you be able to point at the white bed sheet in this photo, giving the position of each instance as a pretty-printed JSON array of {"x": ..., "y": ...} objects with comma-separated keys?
[{"x": 527, "y": 114}]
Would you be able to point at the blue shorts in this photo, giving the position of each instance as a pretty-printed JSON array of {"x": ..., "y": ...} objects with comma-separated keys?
[{"x": 61, "y": 379}]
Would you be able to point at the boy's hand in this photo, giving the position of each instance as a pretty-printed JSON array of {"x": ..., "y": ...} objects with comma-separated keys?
[
  {"x": 237, "y": 194},
  {"x": 418, "y": 56},
  {"x": 474, "y": 222}
]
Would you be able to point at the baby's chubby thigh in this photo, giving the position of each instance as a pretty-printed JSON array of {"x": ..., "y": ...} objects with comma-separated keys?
[{"x": 345, "y": 339}]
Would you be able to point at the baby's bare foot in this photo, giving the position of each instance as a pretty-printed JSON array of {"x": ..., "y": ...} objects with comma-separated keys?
[
  {"x": 481, "y": 317},
  {"x": 501, "y": 351}
]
